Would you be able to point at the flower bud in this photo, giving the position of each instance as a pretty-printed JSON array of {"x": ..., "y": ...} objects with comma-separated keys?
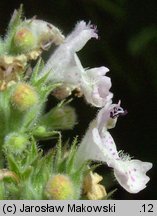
[
  {"x": 39, "y": 131},
  {"x": 15, "y": 143},
  {"x": 45, "y": 32},
  {"x": 60, "y": 187},
  {"x": 24, "y": 39},
  {"x": 66, "y": 117},
  {"x": 63, "y": 117},
  {"x": 24, "y": 97},
  {"x": 62, "y": 92}
]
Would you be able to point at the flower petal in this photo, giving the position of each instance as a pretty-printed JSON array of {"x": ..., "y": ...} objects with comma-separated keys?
[
  {"x": 62, "y": 60},
  {"x": 80, "y": 35},
  {"x": 87, "y": 150},
  {"x": 131, "y": 175},
  {"x": 98, "y": 71},
  {"x": 95, "y": 86}
]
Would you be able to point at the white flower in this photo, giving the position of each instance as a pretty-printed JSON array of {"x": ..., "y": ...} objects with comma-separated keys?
[
  {"x": 99, "y": 145},
  {"x": 94, "y": 84},
  {"x": 62, "y": 61},
  {"x": 66, "y": 68}
]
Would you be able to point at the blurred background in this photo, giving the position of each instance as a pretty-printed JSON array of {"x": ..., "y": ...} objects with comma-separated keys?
[{"x": 128, "y": 47}]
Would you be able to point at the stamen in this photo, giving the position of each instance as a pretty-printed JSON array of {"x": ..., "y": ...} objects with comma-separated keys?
[{"x": 117, "y": 111}]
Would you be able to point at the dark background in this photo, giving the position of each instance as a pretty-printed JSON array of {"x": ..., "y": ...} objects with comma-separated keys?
[{"x": 128, "y": 47}]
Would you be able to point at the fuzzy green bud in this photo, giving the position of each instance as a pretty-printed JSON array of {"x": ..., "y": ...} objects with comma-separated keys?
[
  {"x": 24, "y": 97},
  {"x": 63, "y": 118},
  {"x": 24, "y": 39},
  {"x": 41, "y": 130},
  {"x": 60, "y": 187},
  {"x": 15, "y": 143}
]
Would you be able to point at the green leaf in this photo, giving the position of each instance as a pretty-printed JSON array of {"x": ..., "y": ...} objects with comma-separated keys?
[
  {"x": 32, "y": 154},
  {"x": 12, "y": 164},
  {"x": 70, "y": 164},
  {"x": 16, "y": 18},
  {"x": 79, "y": 173},
  {"x": 58, "y": 156},
  {"x": 30, "y": 118},
  {"x": 38, "y": 67},
  {"x": 42, "y": 80},
  {"x": 27, "y": 172}
]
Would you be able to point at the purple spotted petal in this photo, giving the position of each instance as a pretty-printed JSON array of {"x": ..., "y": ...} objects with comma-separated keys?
[{"x": 131, "y": 175}]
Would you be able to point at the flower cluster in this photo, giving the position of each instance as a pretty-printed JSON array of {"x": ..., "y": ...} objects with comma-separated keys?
[{"x": 97, "y": 144}]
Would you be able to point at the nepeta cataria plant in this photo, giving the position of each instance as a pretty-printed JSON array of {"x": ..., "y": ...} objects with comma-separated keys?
[{"x": 65, "y": 172}]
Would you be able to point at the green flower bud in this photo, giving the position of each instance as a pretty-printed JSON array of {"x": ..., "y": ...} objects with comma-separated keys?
[
  {"x": 63, "y": 118},
  {"x": 24, "y": 39},
  {"x": 39, "y": 131},
  {"x": 24, "y": 97},
  {"x": 15, "y": 143},
  {"x": 60, "y": 187}
]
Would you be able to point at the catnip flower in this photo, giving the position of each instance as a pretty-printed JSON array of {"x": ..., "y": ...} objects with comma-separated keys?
[
  {"x": 98, "y": 145},
  {"x": 65, "y": 67},
  {"x": 94, "y": 84}
]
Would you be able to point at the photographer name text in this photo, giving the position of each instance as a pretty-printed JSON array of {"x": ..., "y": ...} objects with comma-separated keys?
[{"x": 58, "y": 208}]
